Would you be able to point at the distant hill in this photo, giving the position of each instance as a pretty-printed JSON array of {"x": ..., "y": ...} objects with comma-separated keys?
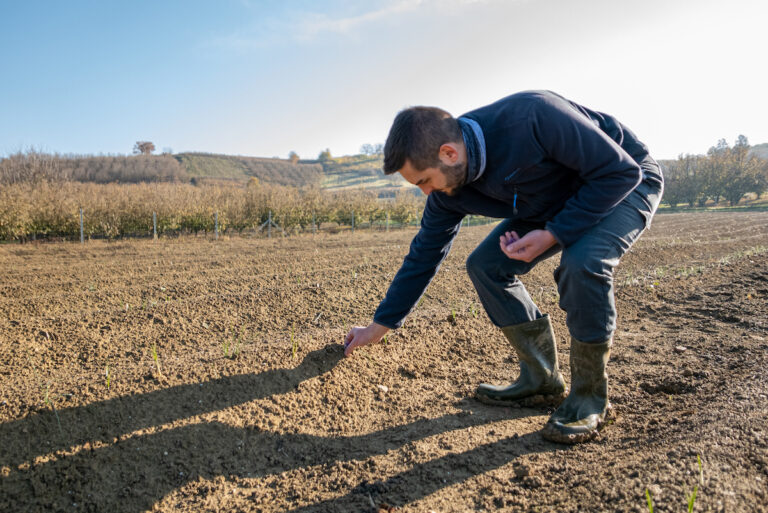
[
  {"x": 237, "y": 168},
  {"x": 361, "y": 171},
  {"x": 339, "y": 173},
  {"x": 760, "y": 150}
]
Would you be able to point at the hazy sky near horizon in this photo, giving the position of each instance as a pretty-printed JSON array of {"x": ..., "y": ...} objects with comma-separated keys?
[{"x": 268, "y": 77}]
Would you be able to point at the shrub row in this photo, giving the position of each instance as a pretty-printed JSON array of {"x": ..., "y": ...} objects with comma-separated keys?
[{"x": 113, "y": 210}]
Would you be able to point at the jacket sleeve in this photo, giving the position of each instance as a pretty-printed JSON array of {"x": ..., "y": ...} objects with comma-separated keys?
[
  {"x": 439, "y": 226},
  {"x": 607, "y": 172}
]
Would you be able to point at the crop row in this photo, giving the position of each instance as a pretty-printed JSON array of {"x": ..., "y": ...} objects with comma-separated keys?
[{"x": 52, "y": 209}]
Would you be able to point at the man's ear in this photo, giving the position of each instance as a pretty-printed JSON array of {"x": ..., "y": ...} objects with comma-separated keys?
[{"x": 449, "y": 153}]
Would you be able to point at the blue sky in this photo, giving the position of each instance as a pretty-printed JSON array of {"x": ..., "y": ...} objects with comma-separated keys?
[{"x": 267, "y": 77}]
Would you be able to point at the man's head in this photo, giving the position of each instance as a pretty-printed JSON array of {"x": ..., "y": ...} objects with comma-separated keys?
[{"x": 426, "y": 147}]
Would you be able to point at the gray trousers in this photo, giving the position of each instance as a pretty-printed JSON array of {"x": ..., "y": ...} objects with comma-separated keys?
[{"x": 584, "y": 277}]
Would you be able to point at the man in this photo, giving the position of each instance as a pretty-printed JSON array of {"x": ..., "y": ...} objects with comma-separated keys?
[{"x": 561, "y": 177}]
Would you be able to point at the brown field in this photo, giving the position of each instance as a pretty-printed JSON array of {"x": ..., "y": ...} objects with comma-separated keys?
[{"x": 250, "y": 406}]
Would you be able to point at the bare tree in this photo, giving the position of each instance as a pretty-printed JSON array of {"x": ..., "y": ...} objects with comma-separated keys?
[{"x": 143, "y": 148}]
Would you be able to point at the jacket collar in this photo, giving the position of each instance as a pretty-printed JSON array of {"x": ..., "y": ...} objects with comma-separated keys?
[{"x": 475, "y": 144}]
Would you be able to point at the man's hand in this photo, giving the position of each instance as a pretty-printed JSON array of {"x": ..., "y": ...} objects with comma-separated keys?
[
  {"x": 533, "y": 244},
  {"x": 359, "y": 336}
]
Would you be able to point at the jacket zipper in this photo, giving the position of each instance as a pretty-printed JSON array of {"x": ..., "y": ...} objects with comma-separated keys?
[{"x": 514, "y": 203}]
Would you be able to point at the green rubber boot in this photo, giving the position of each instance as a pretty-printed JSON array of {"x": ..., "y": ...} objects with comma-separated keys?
[
  {"x": 583, "y": 413},
  {"x": 540, "y": 381}
]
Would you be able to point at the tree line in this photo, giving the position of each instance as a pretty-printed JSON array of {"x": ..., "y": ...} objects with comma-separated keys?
[
  {"x": 724, "y": 173},
  {"x": 34, "y": 166}
]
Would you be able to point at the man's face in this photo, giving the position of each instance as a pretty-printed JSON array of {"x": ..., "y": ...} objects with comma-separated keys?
[{"x": 446, "y": 178}]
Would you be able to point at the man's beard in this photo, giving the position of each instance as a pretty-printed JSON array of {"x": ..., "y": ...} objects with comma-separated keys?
[{"x": 455, "y": 176}]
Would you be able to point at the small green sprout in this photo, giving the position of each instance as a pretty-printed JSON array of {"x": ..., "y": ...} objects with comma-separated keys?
[
  {"x": 701, "y": 470},
  {"x": 48, "y": 402},
  {"x": 385, "y": 339},
  {"x": 648, "y": 500},
  {"x": 692, "y": 498},
  {"x": 156, "y": 359},
  {"x": 238, "y": 343},
  {"x": 106, "y": 374},
  {"x": 473, "y": 310}
]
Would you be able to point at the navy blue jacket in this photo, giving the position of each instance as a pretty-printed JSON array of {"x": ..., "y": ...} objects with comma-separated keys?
[{"x": 549, "y": 163}]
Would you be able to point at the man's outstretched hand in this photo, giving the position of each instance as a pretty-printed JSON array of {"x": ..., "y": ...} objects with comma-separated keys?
[
  {"x": 362, "y": 336},
  {"x": 527, "y": 248}
]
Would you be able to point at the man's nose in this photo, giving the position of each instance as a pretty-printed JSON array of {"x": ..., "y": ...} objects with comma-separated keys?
[{"x": 426, "y": 189}]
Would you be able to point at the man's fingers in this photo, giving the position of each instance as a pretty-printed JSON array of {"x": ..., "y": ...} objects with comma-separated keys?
[
  {"x": 519, "y": 250},
  {"x": 516, "y": 247}
]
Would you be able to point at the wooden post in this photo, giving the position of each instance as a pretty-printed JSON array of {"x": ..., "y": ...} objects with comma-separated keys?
[
  {"x": 313, "y": 223},
  {"x": 216, "y": 224},
  {"x": 387, "y": 220},
  {"x": 82, "y": 238},
  {"x": 269, "y": 225},
  {"x": 353, "y": 222},
  {"x": 154, "y": 225}
]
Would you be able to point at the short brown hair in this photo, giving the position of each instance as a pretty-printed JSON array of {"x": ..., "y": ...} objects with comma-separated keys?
[{"x": 416, "y": 135}]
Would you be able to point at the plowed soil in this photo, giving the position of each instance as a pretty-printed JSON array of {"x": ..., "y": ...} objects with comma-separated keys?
[{"x": 200, "y": 375}]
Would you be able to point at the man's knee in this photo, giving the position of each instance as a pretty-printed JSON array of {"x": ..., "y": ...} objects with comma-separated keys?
[
  {"x": 480, "y": 261},
  {"x": 585, "y": 283},
  {"x": 487, "y": 261},
  {"x": 585, "y": 259},
  {"x": 473, "y": 263},
  {"x": 584, "y": 276}
]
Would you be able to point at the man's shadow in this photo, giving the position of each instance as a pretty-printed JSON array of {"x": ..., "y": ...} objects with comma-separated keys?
[
  {"x": 47, "y": 431},
  {"x": 136, "y": 472}
]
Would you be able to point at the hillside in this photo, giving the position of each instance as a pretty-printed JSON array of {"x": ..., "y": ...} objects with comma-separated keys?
[
  {"x": 335, "y": 174},
  {"x": 760, "y": 150},
  {"x": 361, "y": 171},
  {"x": 238, "y": 168}
]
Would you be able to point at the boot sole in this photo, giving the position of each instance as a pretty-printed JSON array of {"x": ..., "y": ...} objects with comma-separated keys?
[
  {"x": 530, "y": 401},
  {"x": 553, "y": 434}
]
